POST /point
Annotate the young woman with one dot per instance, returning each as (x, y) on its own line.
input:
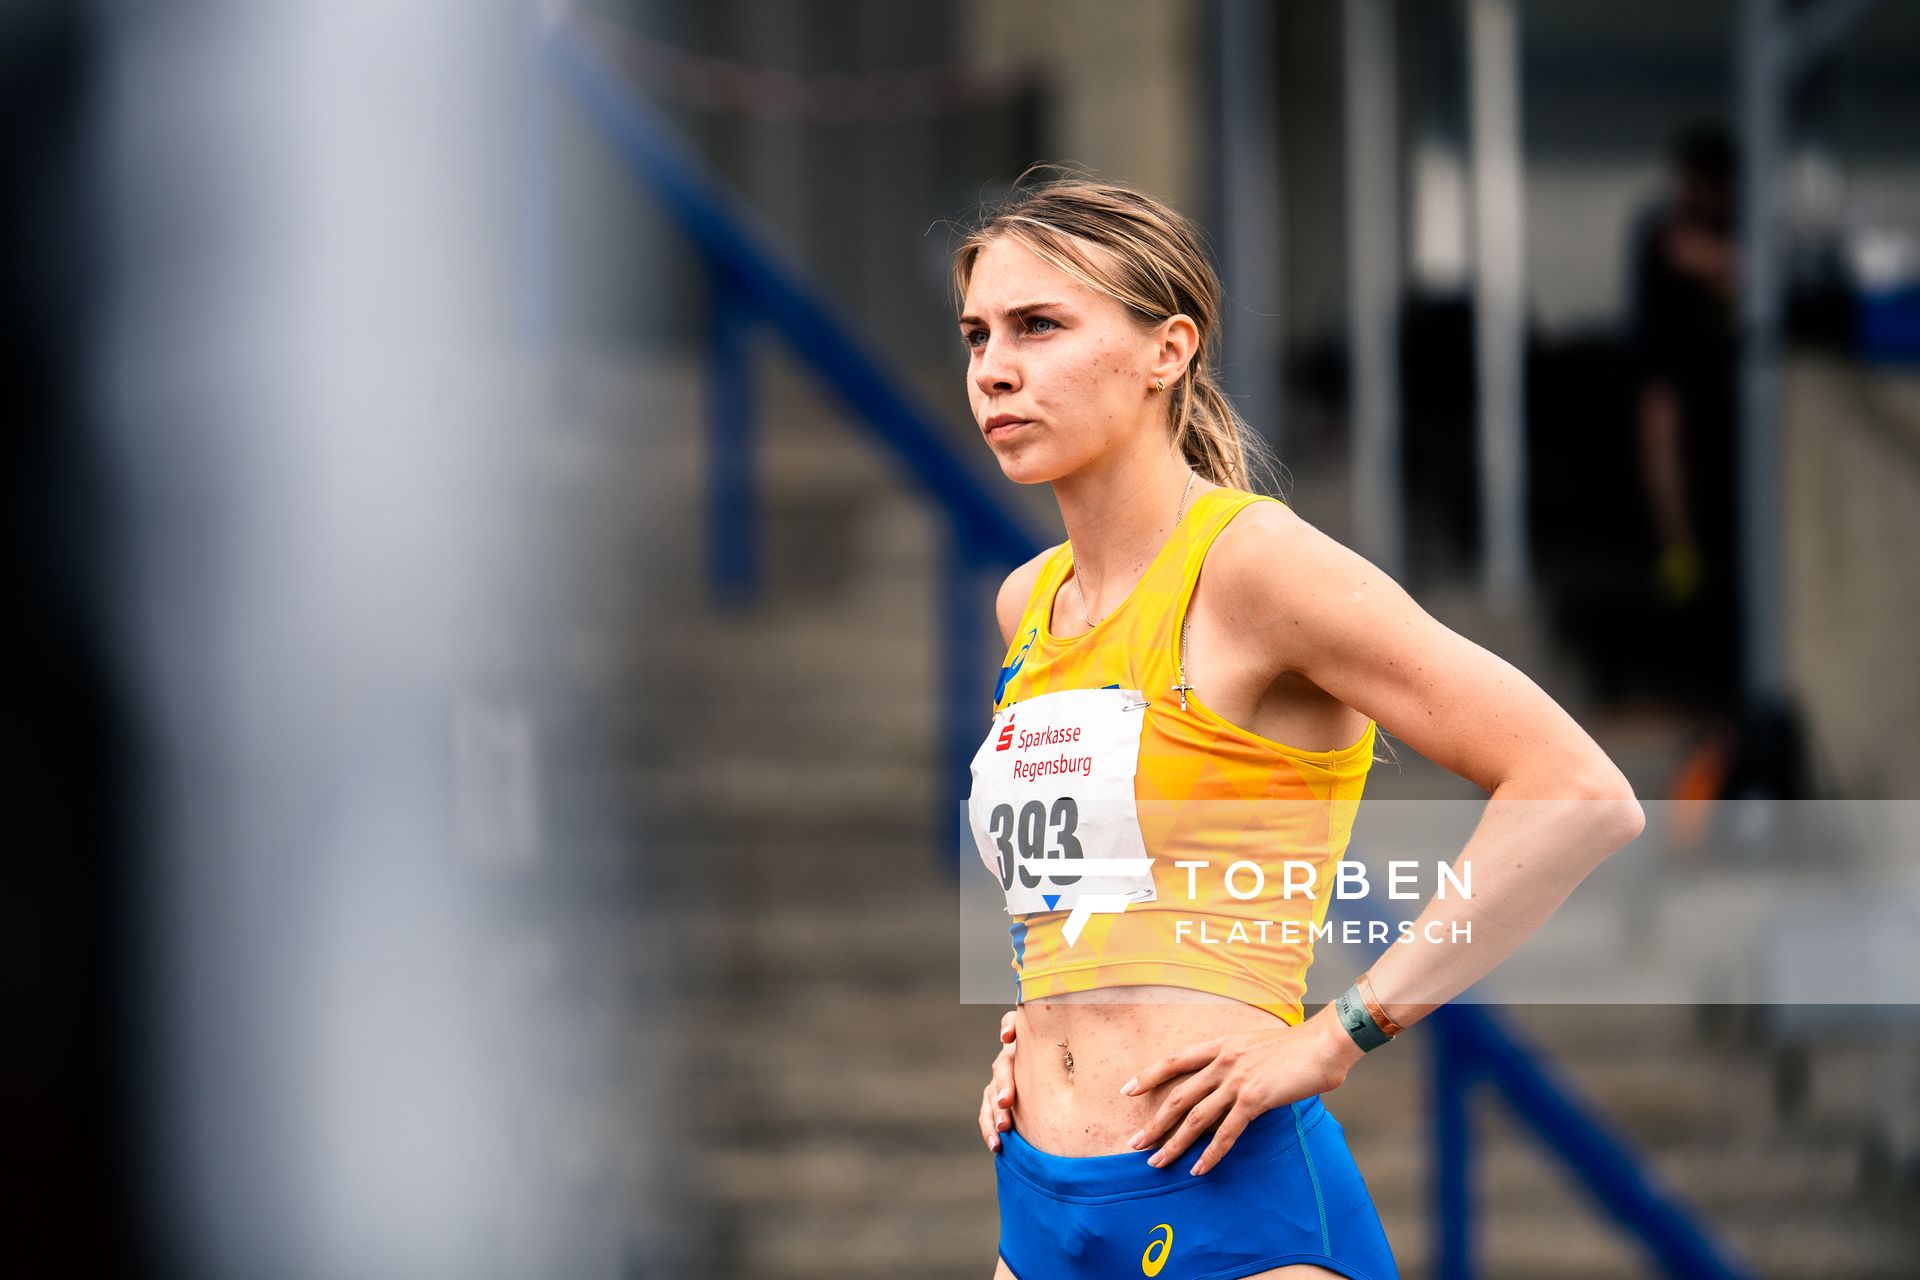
(1164, 1110)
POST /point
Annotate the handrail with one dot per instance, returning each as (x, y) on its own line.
(751, 286)
(750, 270)
(1471, 1047)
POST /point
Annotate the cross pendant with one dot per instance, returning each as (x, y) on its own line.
(1181, 689)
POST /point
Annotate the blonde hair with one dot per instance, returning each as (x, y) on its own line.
(1154, 266)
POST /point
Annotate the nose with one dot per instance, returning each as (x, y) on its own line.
(995, 369)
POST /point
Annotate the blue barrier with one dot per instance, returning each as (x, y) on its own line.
(1470, 1048)
(752, 287)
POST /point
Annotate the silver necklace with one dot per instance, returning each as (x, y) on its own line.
(1079, 590)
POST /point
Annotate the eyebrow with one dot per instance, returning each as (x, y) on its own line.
(1020, 310)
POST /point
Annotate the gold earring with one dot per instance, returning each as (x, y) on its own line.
(1159, 384)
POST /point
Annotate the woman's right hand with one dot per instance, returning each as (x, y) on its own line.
(996, 1100)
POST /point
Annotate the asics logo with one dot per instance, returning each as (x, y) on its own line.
(1156, 1255)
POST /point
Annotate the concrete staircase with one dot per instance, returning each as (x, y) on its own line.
(767, 862)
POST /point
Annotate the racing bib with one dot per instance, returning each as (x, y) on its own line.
(1052, 807)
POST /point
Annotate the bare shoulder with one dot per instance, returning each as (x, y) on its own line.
(1269, 567)
(1310, 605)
(1012, 601)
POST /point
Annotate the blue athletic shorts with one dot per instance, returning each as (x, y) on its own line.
(1287, 1192)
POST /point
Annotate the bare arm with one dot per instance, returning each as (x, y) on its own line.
(1350, 629)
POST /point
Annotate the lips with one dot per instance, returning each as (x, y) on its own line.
(1001, 423)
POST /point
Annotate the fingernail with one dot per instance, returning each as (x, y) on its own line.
(1003, 1099)
(1128, 1086)
(996, 1144)
(1196, 1169)
(1138, 1139)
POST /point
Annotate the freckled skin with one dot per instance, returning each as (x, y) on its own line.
(1076, 370)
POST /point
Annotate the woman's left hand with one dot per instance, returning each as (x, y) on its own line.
(1231, 1080)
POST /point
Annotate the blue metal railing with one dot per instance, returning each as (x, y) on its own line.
(1471, 1048)
(750, 287)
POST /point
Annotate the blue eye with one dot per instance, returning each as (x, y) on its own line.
(971, 334)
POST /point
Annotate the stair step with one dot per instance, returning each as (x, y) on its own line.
(959, 1244)
(1515, 1174)
(1573, 1242)
(803, 792)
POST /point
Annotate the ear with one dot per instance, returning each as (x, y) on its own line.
(1175, 340)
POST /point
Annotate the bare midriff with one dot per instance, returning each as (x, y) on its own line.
(1075, 1051)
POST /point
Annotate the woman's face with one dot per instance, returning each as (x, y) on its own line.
(1066, 360)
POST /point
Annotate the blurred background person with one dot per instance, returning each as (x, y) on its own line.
(1683, 334)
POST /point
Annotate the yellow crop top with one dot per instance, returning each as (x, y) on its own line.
(1206, 790)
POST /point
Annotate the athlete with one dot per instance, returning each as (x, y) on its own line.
(1194, 678)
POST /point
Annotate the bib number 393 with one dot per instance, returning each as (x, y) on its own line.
(1052, 807)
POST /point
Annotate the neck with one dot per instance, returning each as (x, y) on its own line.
(1119, 512)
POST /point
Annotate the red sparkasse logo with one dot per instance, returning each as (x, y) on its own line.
(1006, 736)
